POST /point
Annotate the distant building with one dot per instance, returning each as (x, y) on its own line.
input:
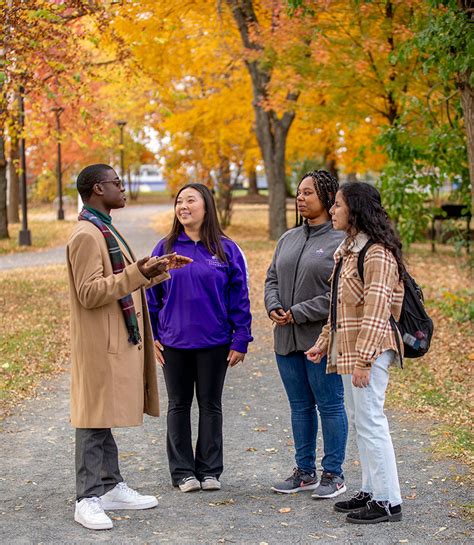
(149, 178)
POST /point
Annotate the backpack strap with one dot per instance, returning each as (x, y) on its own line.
(334, 288)
(393, 323)
(360, 259)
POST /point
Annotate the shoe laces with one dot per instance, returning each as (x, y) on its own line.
(361, 495)
(326, 478)
(93, 505)
(127, 489)
(297, 474)
(382, 504)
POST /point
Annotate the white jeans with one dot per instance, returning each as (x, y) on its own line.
(366, 416)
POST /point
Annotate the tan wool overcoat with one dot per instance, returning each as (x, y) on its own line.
(113, 382)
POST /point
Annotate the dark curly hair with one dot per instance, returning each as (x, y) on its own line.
(325, 185)
(367, 214)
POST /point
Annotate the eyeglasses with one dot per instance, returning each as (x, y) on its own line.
(117, 182)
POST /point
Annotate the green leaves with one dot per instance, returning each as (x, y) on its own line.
(447, 40)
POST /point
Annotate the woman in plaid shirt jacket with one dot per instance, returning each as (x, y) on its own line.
(363, 346)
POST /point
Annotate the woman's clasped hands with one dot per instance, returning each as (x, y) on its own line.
(280, 317)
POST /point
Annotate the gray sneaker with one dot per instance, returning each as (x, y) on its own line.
(298, 481)
(330, 486)
(189, 484)
(210, 483)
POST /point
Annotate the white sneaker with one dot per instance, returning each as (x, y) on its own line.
(210, 483)
(90, 513)
(189, 484)
(124, 497)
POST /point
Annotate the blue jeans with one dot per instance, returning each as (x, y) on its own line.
(309, 387)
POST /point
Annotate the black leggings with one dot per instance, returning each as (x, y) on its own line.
(206, 368)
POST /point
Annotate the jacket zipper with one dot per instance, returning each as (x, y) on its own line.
(294, 284)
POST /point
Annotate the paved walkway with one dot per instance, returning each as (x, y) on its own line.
(132, 220)
(37, 472)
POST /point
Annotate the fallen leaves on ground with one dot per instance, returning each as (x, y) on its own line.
(229, 501)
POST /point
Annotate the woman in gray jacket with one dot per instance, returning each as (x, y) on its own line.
(297, 301)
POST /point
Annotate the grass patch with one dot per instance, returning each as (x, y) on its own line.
(151, 197)
(458, 305)
(34, 329)
(44, 234)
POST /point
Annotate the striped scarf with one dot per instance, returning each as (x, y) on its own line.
(118, 265)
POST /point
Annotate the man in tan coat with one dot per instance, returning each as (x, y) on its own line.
(113, 364)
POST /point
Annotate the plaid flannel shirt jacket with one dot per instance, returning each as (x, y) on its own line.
(363, 308)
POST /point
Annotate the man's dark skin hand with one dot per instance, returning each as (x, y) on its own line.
(154, 266)
(151, 266)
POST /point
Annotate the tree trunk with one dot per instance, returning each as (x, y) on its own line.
(272, 133)
(224, 197)
(467, 101)
(3, 117)
(252, 178)
(3, 189)
(330, 164)
(271, 130)
(352, 177)
(14, 182)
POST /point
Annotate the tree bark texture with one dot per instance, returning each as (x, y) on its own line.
(3, 190)
(224, 189)
(14, 182)
(467, 101)
(252, 178)
(271, 130)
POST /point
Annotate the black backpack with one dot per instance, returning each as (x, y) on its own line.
(415, 326)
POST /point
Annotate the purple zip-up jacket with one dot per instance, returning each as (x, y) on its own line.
(204, 304)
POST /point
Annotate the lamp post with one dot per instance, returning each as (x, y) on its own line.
(121, 125)
(24, 237)
(58, 111)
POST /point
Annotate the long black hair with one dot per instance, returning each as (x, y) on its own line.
(210, 232)
(325, 185)
(367, 214)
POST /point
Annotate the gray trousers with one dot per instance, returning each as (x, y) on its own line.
(97, 467)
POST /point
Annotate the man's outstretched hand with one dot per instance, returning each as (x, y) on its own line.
(153, 266)
(177, 261)
(156, 265)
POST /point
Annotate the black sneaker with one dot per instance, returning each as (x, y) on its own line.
(359, 501)
(298, 481)
(376, 511)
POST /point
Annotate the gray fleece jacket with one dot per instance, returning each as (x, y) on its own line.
(298, 279)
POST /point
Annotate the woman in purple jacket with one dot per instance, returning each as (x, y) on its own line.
(201, 325)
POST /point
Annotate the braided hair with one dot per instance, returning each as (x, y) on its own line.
(326, 187)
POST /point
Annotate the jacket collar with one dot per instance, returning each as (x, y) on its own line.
(352, 246)
(319, 229)
(183, 237)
